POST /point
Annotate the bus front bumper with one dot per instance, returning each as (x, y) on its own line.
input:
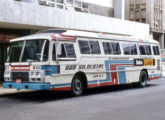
(29, 86)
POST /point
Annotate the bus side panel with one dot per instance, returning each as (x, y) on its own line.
(132, 75)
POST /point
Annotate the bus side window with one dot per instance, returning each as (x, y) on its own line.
(84, 47)
(142, 50)
(156, 50)
(54, 52)
(126, 49)
(94, 46)
(148, 49)
(107, 48)
(67, 51)
(129, 49)
(63, 53)
(116, 48)
(70, 50)
(111, 48)
(145, 49)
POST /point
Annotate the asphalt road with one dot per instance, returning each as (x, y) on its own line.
(126, 102)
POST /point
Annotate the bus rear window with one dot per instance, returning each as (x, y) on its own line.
(145, 49)
(156, 50)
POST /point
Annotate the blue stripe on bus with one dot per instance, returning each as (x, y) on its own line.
(30, 86)
(62, 85)
(121, 75)
(155, 75)
(33, 86)
(50, 69)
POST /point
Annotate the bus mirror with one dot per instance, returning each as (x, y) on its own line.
(58, 49)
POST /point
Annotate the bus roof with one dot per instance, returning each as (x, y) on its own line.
(62, 34)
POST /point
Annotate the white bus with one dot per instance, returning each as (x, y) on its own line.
(70, 60)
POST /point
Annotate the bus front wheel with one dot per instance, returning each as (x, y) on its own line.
(77, 86)
(143, 79)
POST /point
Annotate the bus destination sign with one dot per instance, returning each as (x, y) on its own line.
(144, 62)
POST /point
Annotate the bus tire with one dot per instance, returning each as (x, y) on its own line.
(77, 87)
(143, 79)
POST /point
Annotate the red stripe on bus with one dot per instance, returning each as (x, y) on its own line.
(61, 89)
(92, 85)
(153, 78)
(20, 68)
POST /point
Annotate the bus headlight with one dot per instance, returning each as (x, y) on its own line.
(37, 76)
(32, 74)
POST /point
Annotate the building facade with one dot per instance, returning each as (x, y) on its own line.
(151, 12)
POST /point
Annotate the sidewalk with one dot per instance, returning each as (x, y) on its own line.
(4, 91)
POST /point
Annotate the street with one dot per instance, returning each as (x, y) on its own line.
(126, 102)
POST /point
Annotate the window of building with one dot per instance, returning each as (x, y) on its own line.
(145, 49)
(69, 2)
(156, 50)
(60, 4)
(75, 4)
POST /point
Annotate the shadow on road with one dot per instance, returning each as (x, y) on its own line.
(46, 96)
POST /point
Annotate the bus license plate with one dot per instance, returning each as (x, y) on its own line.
(18, 81)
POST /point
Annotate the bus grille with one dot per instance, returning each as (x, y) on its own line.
(24, 76)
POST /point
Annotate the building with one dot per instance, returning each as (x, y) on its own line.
(151, 12)
(23, 17)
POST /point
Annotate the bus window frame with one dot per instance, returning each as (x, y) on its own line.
(88, 40)
(155, 45)
(62, 58)
(137, 48)
(150, 47)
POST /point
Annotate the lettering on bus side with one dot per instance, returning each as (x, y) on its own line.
(89, 66)
(94, 66)
(70, 67)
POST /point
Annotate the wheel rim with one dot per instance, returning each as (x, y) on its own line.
(77, 87)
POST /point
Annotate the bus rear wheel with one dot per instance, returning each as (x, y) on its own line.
(143, 79)
(77, 87)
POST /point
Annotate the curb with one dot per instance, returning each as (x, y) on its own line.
(4, 91)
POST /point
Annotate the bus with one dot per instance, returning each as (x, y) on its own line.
(70, 60)
(162, 54)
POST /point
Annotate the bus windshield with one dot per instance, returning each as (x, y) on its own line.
(29, 51)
